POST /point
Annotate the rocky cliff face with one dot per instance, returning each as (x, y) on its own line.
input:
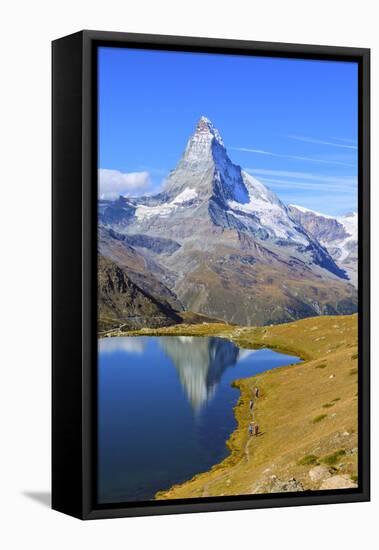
(225, 245)
(338, 235)
(121, 302)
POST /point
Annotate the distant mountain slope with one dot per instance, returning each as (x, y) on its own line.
(225, 245)
(339, 235)
(120, 301)
(139, 263)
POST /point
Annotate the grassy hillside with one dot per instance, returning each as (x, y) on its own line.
(307, 413)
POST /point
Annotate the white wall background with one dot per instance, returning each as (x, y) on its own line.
(27, 29)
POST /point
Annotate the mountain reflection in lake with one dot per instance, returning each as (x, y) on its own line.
(200, 363)
(165, 409)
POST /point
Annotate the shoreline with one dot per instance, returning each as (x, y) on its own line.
(234, 333)
(234, 449)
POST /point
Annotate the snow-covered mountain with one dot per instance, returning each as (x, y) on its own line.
(206, 175)
(234, 250)
(339, 235)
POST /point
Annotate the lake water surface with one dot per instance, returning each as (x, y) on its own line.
(165, 409)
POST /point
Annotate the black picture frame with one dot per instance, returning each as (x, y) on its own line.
(74, 175)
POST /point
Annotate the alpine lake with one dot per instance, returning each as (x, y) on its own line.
(165, 409)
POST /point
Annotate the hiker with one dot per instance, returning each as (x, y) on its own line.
(256, 392)
(251, 404)
(256, 430)
(251, 428)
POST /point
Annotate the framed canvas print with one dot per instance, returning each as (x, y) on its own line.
(210, 274)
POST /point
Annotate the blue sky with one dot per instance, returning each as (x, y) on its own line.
(291, 123)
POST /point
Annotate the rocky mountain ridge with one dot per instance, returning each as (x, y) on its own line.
(121, 302)
(339, 235)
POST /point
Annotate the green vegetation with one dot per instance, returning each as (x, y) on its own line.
(328, 405)
(332, 459)
(318, 418)
(322, 366)
(308, 460)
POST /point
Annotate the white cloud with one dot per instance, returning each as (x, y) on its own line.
(130, 344)
(352, 141)
(113, 183)
(345, 145)
(351, 180)
(324, 186)
(290, 180)
(292, 157)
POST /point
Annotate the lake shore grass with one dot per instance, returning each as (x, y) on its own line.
(307, 413)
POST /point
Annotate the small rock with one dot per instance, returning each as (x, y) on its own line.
(331, 376)
(338, 482)
(352, 451)
(288, 486)
(319, 473)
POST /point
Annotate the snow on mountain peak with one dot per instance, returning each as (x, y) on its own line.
(201, 145)
(265, 206)
(338, 234)
(311, 212)
(164, 210)
(207, 130)
(244, 200)
(349, 221)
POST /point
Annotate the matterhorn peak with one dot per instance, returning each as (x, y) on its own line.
(207, 130)
(206, 165)
(203, 144)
